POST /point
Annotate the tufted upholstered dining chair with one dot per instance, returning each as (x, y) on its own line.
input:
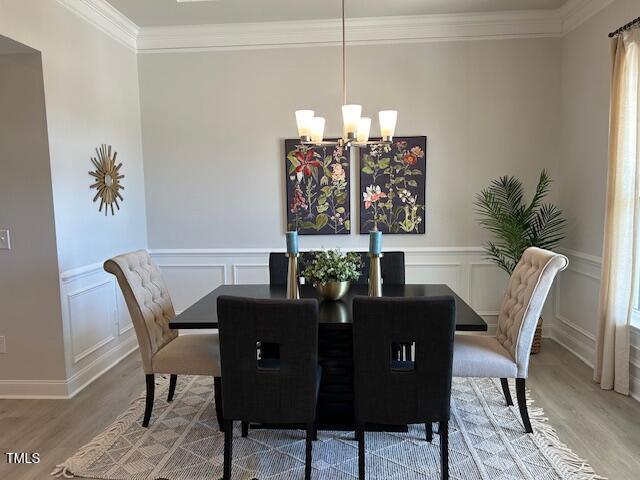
(507, 354)
(163, 351)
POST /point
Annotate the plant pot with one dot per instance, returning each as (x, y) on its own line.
(333, 290)
(537, 338)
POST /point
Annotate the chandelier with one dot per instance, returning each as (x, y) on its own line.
(356, 128)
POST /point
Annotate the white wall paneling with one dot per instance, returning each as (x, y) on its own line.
(188, 281)
(97, 331)
(97, 327)
(248, 273)
(575, 306)
(575, 310)
(91, 328)
(635, 364)
(484, 278)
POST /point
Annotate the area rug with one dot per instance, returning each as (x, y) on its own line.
(486, 441)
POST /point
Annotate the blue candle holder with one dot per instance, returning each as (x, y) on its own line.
(293, 248)
(375, 242)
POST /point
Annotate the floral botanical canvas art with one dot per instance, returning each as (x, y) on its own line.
(318, 184)
(392, 186)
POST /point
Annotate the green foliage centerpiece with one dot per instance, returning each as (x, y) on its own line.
(331, 272)
(517, 226)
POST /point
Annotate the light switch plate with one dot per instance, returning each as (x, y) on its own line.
(3, 345)
(5, 240)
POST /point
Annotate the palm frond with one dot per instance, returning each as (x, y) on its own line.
(517, 226)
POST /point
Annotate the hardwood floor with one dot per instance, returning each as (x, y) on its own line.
(602, 427)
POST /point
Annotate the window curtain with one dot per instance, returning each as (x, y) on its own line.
(619, 257)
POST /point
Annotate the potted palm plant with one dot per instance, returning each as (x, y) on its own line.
(517, 226)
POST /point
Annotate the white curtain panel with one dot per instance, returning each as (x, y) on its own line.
(619, 279)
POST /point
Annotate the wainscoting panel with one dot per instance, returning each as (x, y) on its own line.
(91, 318)
(188, 281)
(432, 272)
(635, 364)
(250, 273)
(575, 306)
(576, 313)
(97, 327)
(485, 279)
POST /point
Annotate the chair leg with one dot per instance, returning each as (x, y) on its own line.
(505, 390)
(151, 388)
(217, 393)
(361, 464)
(308, 457)
(245, 429)
(173, 379)
(443, 428)
(429, 431)
(522, 404)
(228, 450)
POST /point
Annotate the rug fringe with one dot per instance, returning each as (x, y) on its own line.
(571, 464)
(89, 452)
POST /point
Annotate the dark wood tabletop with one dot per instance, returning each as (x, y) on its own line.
(203, 313)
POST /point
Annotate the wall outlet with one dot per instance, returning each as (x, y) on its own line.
(3, 345)
(5, 240)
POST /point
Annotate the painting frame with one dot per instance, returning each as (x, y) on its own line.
(393, 186)
(318, 188)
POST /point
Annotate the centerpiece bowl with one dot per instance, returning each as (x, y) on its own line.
(333, 290)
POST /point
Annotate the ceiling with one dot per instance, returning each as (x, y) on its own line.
(148, 13)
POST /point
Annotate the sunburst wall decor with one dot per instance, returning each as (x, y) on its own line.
(108, 176)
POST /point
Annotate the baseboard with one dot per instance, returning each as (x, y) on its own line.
(100, 366)
(65, 389)
(568, 338)
(635, 388)
(33, 389)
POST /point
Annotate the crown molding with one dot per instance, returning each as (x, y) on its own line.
(372, 30)
(360, 31)
(105, 18)
(575, 12)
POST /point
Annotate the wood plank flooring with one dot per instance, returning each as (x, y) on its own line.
(602, 427)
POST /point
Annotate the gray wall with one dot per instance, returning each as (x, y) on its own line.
(30, 317)
(91, 91)
(586, 74)
(91, 96)
(214, 124)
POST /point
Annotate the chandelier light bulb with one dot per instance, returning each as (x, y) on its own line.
(388, 119)
(350, 118)
(364, 127)
(317, 129)
(304, 119)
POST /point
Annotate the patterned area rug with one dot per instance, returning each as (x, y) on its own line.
(486, 441)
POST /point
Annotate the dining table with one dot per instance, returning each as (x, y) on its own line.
(335, 410)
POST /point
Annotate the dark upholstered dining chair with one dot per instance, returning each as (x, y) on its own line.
(392, 392)
(279, 264)
(391, 265)
(280, 390)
